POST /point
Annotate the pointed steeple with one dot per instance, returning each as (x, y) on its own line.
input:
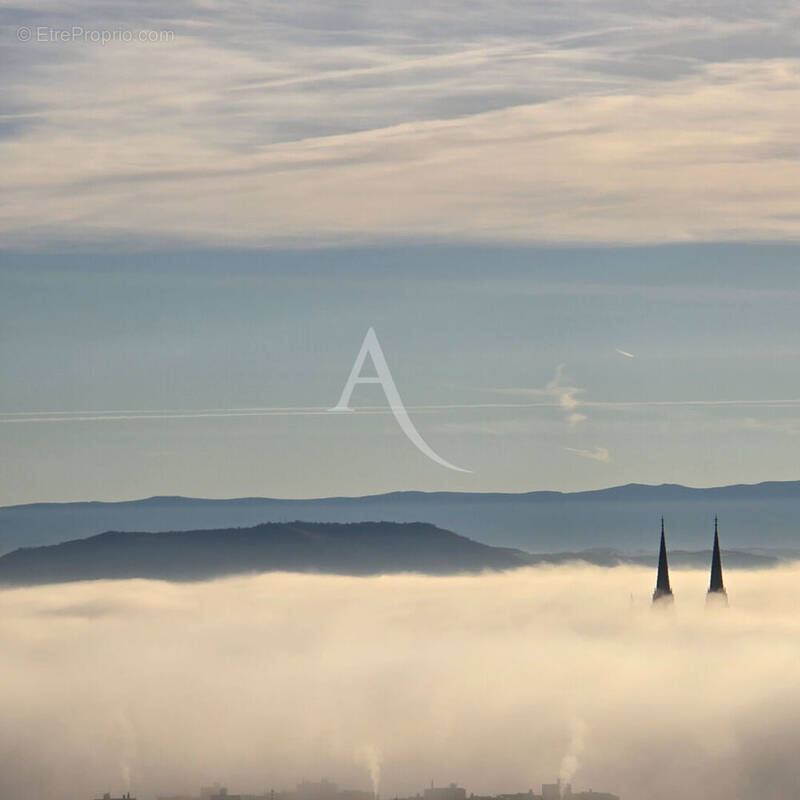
(716, 588)
(663, 590)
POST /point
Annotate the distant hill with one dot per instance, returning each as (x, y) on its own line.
(623, 518)
(365, 548)
(359, 548)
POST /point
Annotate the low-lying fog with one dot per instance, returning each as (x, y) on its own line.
(499, 682)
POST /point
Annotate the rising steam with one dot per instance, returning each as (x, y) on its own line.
(370, 756)
(570, 761)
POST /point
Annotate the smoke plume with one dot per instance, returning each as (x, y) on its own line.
(370, 756)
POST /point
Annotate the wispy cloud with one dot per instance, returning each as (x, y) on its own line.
(612, 120)
(595, 454)
(563, 393)
(682, 293)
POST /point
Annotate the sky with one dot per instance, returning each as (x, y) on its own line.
(573, 228)
(500, 682)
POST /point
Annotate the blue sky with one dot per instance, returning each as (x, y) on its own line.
(510, 194)
(520, 346)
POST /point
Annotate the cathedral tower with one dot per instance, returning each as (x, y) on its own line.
(716, 588)
(663, 592)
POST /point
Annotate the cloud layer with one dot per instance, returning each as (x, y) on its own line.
(269, 124)
(498, 681)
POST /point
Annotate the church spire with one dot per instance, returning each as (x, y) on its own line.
(716, 587)
(663, 590)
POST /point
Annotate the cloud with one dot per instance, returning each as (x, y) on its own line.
(564, 394)
(596, 453)
(624, 353)
(497, 681)
(566, 397)
(684, 293)
(311, 125)
(575, 418)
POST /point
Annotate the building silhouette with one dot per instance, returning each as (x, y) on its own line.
(329, 791)
(213, 792)
(305, 790)
(716, 588)
(451, 792)
(316, 790)
(552, 791)
(663, 591)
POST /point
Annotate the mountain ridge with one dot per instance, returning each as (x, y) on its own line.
(626, 517)
(544, 494)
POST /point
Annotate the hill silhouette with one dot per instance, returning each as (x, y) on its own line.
(365, 548)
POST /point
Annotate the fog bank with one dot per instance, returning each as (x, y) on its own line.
(499, 682)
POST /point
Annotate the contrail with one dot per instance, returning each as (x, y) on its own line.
(116, 415)
(21, 417)
(624, 353)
